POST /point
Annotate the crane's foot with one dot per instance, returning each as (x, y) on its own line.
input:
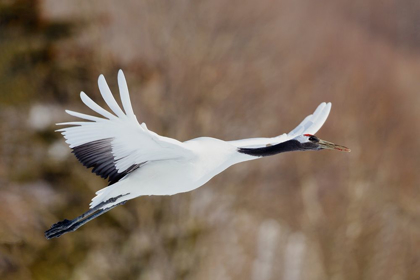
(57, 231)
(62, 225)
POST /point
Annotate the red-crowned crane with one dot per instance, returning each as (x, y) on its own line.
(139, 162)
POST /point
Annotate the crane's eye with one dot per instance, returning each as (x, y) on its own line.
(313, 138)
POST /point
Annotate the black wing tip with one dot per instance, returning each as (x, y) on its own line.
(98, 154)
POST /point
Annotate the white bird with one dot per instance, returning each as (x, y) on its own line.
(139, 162)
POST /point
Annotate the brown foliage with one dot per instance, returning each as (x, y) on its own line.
(231, 70)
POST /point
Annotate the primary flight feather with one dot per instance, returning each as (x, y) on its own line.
(137, 161)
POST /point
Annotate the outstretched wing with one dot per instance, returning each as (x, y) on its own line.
(310, 125)
(116, 144)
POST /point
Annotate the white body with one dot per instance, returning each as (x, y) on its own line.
(165, 166)
(174, 176)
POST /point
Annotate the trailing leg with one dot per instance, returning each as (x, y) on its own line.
(65, 226)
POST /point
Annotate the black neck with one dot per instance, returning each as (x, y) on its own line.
(288, 146)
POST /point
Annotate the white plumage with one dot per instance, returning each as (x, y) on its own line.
(138, 161)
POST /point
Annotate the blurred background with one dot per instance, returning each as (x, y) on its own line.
(231, 70)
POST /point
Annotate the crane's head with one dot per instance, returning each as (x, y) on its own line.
(305, 142)
(311, 142)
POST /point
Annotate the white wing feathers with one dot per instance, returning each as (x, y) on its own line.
(116, 144)
(125, 97)
(310, 125)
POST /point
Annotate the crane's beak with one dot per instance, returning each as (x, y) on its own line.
(331, 146)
